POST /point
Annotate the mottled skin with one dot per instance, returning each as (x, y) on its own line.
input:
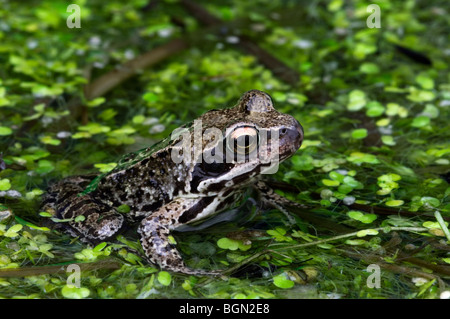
(163, 193)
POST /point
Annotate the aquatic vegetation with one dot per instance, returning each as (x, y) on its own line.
(374, 166)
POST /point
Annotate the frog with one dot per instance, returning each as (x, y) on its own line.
(201, 169)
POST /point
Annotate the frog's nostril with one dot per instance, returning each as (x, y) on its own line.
(283, 131)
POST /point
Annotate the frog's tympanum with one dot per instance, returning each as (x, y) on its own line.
(202, 169)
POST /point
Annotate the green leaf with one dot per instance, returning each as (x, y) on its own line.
(365, 232)
(226, 243)
(232, 244)
(383, 122)
(45, 214)
(44, 167)
(352, 182)
(374, 109)
(392, 109)
(357, 100)
(325, 246)
(362, 49)
(279, 234)
(5, 131)
(4, 184)
(335, 5)
(138, 119)
(431, 111)
(96, 102)
(50, 140)
(99, 247)
(105, 168)
(330, 183)
(74, 292)
(79, 218)
(13, 231)
(359, 133)
(360, 216)
(282, 281)
(417, 95)
(355, 242)
(164, 278)
(345, 189)
(336, 176)
(123, 209)
(433, 225)
(420, 121)
(394, 203)
(94, 128)
(425, 82)
(369, 68)
(430, 202)
(150, 97)
(388, 140)
(359, 157)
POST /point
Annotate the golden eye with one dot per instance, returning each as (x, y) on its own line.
(243, 140)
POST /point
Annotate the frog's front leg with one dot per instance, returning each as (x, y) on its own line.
(155, 230)
(269, 196)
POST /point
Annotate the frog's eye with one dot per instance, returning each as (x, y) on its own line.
(243, 140)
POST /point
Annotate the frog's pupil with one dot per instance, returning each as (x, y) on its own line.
(247, 141)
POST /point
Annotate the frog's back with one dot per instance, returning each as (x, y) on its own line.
(145, 184)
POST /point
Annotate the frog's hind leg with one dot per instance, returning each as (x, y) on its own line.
(100, 222)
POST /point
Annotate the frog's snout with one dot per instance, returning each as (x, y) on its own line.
(291, 137)
(299, 137)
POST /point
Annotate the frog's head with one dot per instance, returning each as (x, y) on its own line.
(257, 108)
(239, 143)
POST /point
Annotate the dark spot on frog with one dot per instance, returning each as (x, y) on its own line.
(151, 183)
(227, 193)
(73, 209)
(240, 179)
(163, 154)
(145, 161)
(203, 171)
(217, 187)
(123, 197)
(192, 212)
(137, 195)
(152, 207)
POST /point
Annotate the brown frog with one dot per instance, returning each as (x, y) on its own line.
(201, 169)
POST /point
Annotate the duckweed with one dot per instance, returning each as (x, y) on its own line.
(373, 103)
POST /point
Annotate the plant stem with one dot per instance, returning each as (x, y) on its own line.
(385, 229)
(442, 224)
